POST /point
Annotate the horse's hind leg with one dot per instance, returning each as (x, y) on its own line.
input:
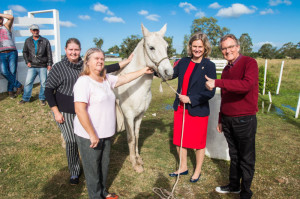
(131, 144)
(136, 132)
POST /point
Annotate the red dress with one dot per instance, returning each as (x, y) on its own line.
(195, 127)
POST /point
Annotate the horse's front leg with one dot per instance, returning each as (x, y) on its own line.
(131, 144)
(137, 135)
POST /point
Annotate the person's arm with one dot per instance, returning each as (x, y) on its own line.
(243, 85)
(26, 53)
(204, 96)
(117, 66)
(123, 79)
(49, 56)
(10, 20)
(83, 116)
(125, 62)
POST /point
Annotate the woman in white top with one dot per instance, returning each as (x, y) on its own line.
(95, 119)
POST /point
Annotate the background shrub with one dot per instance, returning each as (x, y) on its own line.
(271, 82)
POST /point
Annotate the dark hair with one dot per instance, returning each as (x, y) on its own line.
(73, 40)
(199, 36)
(231, 36)
(86, 70)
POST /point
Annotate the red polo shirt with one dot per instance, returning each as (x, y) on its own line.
(239, 88)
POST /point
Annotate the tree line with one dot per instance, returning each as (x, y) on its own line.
(209, 26)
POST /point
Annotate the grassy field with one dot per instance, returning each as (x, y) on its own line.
(33, 163)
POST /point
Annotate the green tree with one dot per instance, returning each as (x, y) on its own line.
(245, 44)
(267, 51)
(98, 42)
(289, 50)
(128, 45)
(114, 49)
(171, 51)
(210, 27)
(185, 43)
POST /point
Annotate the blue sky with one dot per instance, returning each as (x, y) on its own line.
(266, 21)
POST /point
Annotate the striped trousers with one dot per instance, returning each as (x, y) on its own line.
(67, 130)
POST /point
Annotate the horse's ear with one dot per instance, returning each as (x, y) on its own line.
(145, 31)
(163, 30)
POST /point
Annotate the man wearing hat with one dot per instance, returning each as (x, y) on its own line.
(38, 57)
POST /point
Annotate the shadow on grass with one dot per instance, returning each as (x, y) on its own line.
(162, 182)
(120, 150)
(59, 187)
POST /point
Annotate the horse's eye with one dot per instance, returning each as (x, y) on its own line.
(152, 48)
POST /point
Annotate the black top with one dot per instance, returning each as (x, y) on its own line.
(196, 91)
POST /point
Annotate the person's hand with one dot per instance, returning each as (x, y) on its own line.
(59, 117)
(49, 68)
(29, 65)
(219, 128)
(130, 57)
(184, 99)
(210, 83)
(94, 141)
(148, 70)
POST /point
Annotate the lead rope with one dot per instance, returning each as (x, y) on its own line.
(163, 193)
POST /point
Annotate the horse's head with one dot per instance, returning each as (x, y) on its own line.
(155, 48)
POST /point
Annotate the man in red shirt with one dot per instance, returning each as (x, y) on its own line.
(237, 118)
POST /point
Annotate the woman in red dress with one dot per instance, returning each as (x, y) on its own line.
(191, 73)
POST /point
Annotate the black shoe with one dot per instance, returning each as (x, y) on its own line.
(195, 180)
(11, 95)
(43, 102)
(182, 173)
(22, 102)
(227, 189)
(19, 90)
(74, 180)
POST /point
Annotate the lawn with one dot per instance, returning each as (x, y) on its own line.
(34, 165)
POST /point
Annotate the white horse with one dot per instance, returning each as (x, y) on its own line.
(134, 97)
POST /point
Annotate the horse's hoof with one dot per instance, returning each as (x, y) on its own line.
(139, 161)
(138, 168)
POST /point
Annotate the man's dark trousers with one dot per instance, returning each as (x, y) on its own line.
(240, 135)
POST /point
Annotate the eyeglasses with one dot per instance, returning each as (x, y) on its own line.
(35, 30)
(228, 48)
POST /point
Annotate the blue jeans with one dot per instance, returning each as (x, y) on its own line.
(32, 73)
(8, 64)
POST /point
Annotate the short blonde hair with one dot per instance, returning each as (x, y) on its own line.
(199, 36)
(87, 56)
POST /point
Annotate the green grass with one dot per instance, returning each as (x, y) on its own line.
(33, 164)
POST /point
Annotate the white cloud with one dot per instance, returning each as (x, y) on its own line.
(143, 12)
(98, 7)
(67, 24)
(17, 8)
(215, 5)
(266, 11)
(153, 17)
(84, 17)
(277, 2)
(113, 20)
(260, 44)
(235, 10)
(200, 14)
(187, 7)
(110, 13)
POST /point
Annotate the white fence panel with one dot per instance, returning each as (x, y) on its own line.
(23, 32)
(220, 64)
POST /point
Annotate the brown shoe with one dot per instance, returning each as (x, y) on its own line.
(11, 95)
(19, 90)
(43, 102)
